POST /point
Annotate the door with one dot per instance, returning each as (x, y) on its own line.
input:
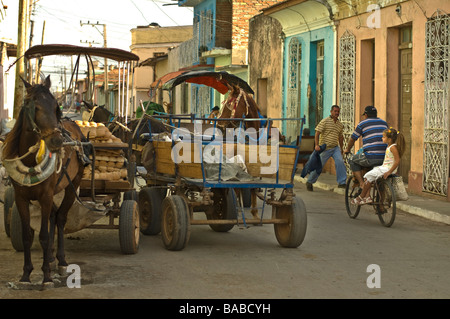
(405, 120)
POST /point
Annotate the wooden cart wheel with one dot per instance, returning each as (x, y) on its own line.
(129, 227)
(7, 208)
(292, 234)
(150, 200)
(224, 207)
(16, 230)
(175, 222)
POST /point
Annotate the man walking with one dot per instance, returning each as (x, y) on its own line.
(330, 132)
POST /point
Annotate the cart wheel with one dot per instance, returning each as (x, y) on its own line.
(129, 227)
(16, 230)
(175, 222)
(291, 235)
(131, 195)
(246, 194)
(223, 208)
(7, 208)
(150, 200)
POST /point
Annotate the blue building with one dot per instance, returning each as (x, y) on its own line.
(308, 66)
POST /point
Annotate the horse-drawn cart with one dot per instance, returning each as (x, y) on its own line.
(194, 171)
(106, 190)
(114, 192)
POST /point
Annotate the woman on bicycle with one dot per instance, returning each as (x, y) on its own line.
(396, 142)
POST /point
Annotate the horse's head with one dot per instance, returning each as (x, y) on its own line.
(43, 114)
(101, 115)
(240, 104)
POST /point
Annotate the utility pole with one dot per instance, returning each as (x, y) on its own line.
(20, 65)
(106, 60)
(39, 62)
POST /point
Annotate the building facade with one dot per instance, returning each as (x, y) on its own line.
(390, 54)
(220, 42)
(152, 43)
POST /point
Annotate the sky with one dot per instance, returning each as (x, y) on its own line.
(62, 21)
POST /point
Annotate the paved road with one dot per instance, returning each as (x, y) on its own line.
(413, 259)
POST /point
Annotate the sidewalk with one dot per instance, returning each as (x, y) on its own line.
(435, 210)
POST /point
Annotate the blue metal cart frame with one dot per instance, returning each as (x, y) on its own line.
(174, 209)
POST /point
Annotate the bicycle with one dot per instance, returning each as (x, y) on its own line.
(383, 199)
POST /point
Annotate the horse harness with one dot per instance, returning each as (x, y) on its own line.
(232, 103)
(30, 112)
(46, 161)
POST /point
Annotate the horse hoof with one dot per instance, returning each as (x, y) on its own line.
(48, 285)
(24, 285)
(62, 270)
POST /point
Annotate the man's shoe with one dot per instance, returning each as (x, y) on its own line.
(342, 186)
(309, 186)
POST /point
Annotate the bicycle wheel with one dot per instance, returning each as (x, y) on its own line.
(384, 201)
(352, 190)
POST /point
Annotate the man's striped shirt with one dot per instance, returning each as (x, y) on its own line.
(371, 130)
(329, 132)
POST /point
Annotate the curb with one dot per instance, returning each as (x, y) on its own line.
(414, 210)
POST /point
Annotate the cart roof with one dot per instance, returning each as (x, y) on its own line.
(215, 79)
(119, 55)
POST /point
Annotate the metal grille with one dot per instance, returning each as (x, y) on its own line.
(347, 54)
(293, 105)
(436, 106)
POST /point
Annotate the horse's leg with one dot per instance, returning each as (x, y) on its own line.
(44, 238)
(24, 212)
(254, 209)
(61, 219)
(52, 232)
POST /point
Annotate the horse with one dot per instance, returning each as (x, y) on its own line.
(131, 134)
(241, 104)
(40, 166)
(96, 114)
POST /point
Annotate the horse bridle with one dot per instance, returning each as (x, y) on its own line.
(30, 112)
(234, 102)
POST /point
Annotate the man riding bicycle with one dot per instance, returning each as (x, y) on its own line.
(371, 129)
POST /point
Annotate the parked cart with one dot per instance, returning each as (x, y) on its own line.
(176, 189)
(111, 196)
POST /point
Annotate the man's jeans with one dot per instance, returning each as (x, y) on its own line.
(341, 171)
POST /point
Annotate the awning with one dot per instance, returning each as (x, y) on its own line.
(167, 77)
(214, 79)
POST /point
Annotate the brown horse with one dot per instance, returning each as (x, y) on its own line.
(35, 169)
(240, 104)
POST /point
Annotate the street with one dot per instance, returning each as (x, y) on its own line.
(339, 258)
